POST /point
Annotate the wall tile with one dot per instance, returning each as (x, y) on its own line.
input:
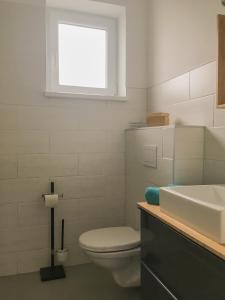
(24, 142)
(8, 167)
(64, 142)
(203, 81)
(92, 163)
(168, 93)
(188, 171)
(132, 110)
(33, 214)
(93, 115)
(74, 187)
(8, 143)
(8, 264)
(190, 134)
(93, 208)
(116, 141)
(8, 117)
(47, 165)
(115, 164)
(32, 261)
(161, 176)
(8, 216)
(195, 112)
(189, 143)
(219, 116)
(214, 171)
(131, 145)
(114, 187)
(9, 241)
(79, 142)
(215, 143)
(23, 190)
(34, 238)
(168, 143)
(47, 118)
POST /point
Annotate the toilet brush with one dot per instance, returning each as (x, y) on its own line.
(62, 254)
(62, 235)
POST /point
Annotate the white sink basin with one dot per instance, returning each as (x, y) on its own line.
(201, 207)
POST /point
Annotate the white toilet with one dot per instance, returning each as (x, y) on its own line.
(116, 249)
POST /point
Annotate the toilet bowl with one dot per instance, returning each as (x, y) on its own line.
(116, 249)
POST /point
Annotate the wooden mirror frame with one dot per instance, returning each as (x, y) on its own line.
(221, 62)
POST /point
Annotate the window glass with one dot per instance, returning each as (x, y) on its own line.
(82, 56)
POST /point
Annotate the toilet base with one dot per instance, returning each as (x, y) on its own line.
(129, 276)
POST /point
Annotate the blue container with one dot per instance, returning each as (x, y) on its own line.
(152, 195)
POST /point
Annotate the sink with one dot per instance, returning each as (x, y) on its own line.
(201, 207)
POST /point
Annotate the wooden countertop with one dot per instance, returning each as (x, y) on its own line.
(202, 240)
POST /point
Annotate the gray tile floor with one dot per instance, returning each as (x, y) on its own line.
(85, 282)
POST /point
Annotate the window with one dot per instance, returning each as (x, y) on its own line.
(81, 53)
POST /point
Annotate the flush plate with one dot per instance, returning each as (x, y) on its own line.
(149, 158)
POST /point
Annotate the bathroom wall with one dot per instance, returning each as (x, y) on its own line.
(77, 143)
(191, 100)
(161, 156)
(182, 76)
(182, 36)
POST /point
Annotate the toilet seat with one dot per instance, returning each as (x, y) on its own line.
(114, 255)
(113, 239)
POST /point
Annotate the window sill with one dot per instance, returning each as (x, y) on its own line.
(85, 96)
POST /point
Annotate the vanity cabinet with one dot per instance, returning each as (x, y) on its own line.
(174, 267)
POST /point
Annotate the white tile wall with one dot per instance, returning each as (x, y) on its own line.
(46, 165)
(180, 158)
(193, 97)
(189, 143)
(24, 142)
(23, 190)
(193, 112)
(30, 261)
(214, 171)
(197, 109)
(8, 166)
(169, 93)
(203, 81)
(188, 171)
(77, 143)
(168, 144)
(215, 143)
(8, 216)
(8, 264)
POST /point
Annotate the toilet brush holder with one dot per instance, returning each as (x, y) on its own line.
(62, 255)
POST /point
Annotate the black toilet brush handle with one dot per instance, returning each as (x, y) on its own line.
(62, 235)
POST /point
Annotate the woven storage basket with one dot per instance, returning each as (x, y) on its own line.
(158, 119)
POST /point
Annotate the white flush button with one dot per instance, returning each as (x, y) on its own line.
(150, 156)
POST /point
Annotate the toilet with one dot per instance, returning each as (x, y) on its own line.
(116, 249)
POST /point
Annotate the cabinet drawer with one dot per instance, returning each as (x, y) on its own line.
(189, 271)
(152, 288)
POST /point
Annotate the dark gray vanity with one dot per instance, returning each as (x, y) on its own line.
(175, 267)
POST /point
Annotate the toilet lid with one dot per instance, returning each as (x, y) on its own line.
(110, 239)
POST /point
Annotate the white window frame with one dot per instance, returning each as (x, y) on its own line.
(59, 16)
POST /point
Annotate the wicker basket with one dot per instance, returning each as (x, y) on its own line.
(158, 119)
